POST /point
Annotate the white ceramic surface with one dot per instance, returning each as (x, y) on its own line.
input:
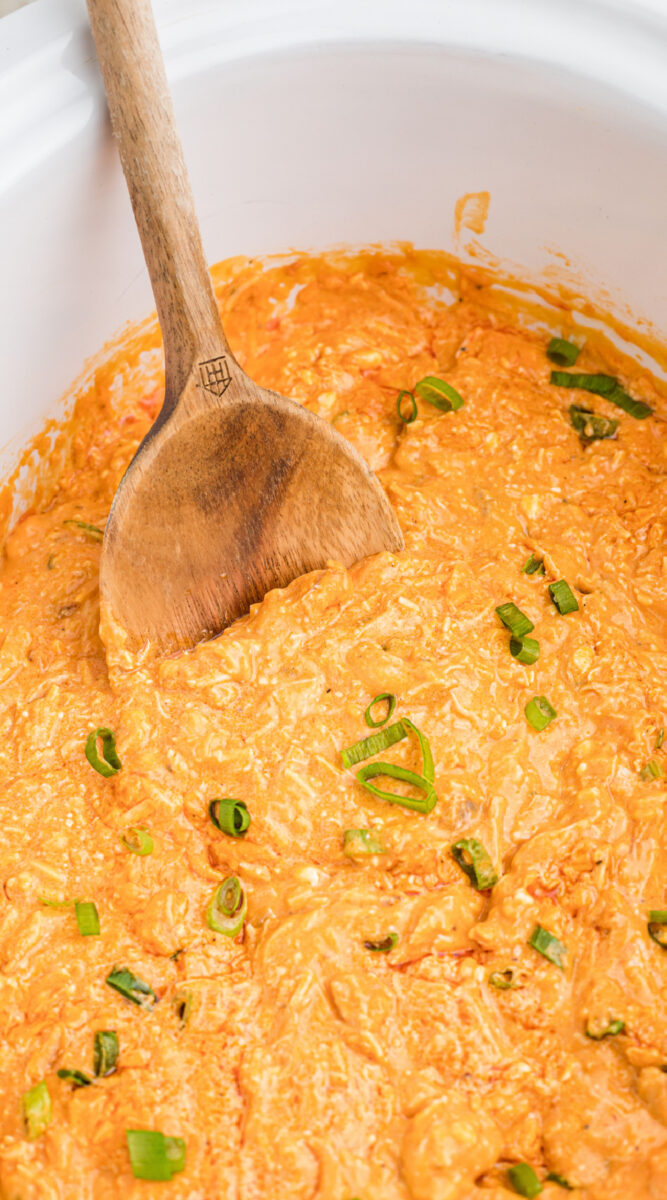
(353, 121)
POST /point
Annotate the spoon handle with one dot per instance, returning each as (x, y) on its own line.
(142, 116)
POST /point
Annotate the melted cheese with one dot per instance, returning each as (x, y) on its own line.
(309, 1066)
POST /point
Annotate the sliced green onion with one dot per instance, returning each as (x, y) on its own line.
(383, 946)
(105, 1052)
(183, 1006)
(657, 926)
(93, 532)
(138, 840)
(514, 620)
(361, 842)
(660, 739)
(472, 858)
(424, 804)
(77, 1079)
(597, 1029)
(562, 353)
(503, 980)
(132, 988)
(563, 597)
(55, 903)
(539, 713)
(428, 768)
(524, 1180)
(603, 385)
(547, 945)
(154, 1156)
(387, 698)
(227, 907)
(554, 1177)
(373, 744)
(525, 650)
(438, 393)
(652, 770)
(412, 415)
(591, 426)
(87, 918)
(110, 763)
(36, 1109)
(533, 566)
(230, 816)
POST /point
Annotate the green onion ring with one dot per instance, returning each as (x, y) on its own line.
(372, 770)
(105, 1052)
(390, 700)
(438, 393)
(110, 763)
(226, 911)
(384, 945)
(399, 407)
(138, 841)
(230, 816)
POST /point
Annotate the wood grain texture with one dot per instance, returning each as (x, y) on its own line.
(235, 490)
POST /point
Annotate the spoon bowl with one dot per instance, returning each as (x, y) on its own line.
(235, 490)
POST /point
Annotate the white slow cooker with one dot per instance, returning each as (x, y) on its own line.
(308, 123)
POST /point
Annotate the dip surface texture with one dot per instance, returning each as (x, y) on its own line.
(295, 1062)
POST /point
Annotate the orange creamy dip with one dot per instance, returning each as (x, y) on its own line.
(309, 1066)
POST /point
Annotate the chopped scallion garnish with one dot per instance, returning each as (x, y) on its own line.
(105, 1052)
(424, 804)
(591, 427)
(563, 597)
(36, 1109)
(110, 763)
(138, 840)
(659, 739)
(132, 988)
(472, 858)
(438, 393)
(226, 911)
(533, 566)
(603, 385)
(375, 743)
(503, 980)
(652, 770)
(597, 1029)
(524, 1180)
(387, 698)
(657, 926)
(428, 768)
(183, 1006)
(514, 620)
(410, 416)
(358, 843)
(548, 946)
(93, 532)
(539, 713)
(525, 650)
(424, 781)
(230, 816)
(87, 918)
(384, 945)
(562, 353)
(78, 1079)
(154, 1156)
(554, 1177)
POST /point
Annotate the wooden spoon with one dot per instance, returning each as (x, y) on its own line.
(235, 490)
